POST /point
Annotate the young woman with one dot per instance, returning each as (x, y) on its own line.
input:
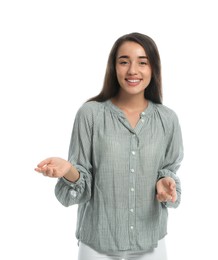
(125, 150)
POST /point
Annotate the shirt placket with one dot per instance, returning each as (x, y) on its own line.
(134, 154)
(132, 188)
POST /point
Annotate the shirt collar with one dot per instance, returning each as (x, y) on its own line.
(120, 113)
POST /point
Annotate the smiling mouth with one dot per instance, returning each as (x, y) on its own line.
(133, 80)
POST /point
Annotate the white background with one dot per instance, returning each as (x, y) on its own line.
(53, 56)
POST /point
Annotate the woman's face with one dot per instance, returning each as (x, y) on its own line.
(133, 68)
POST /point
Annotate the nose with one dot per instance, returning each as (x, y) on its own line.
(132, 69)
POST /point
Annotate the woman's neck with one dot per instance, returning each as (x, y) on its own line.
(130, 103)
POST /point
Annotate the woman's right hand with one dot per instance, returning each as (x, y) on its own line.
(54, 167)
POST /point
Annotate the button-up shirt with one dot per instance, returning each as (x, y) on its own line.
(119, 167)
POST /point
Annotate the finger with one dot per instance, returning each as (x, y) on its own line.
(172, 186)
(158, 198)
(162, 197)
(171, 183)
(49, 172)
(172, 190)
(174, 199)
(41, 170)
(37, 170)
(55, 173)
(174, 196)
(46, 171)
(44, 162)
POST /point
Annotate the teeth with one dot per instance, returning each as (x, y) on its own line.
(133, 80)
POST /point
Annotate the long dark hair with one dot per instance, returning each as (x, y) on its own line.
(111, 86)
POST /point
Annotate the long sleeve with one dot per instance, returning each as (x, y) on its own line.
(69, 193)
(173, 157)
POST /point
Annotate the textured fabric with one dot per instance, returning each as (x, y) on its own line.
(119, 167)
(159, 253)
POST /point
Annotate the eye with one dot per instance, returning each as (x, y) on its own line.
(123, 62)
(143, 63)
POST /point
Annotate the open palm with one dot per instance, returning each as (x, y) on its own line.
(54, 167)
(166, 190)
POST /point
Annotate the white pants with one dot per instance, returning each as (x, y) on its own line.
(87, 253)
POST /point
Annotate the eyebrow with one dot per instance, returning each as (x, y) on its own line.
(127, 57)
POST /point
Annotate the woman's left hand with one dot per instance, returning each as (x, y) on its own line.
(166, 190)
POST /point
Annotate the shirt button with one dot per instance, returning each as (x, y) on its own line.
(132, 170)
(133, 152)
(143, 113)
(131, 210)
(73, 193)
(132, 189)
(133, 135)
(131, 227)
(142, 120)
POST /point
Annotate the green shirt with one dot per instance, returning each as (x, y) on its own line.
(119, 167)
